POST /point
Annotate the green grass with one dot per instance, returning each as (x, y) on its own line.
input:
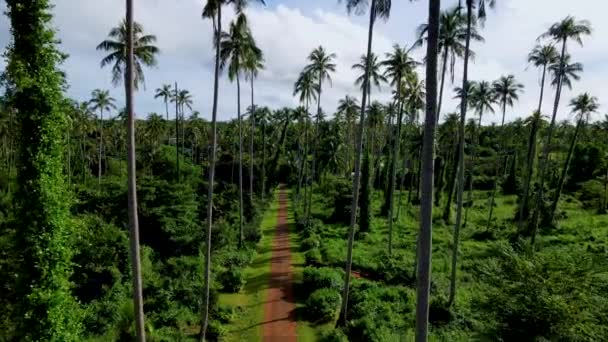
(250, 301)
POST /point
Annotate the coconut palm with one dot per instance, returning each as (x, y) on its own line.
(428, 161)
(236, 45)
(348, 106)
(144, 53)
(542, 56)
(582, 106)
(481, 6)
(378, 9)
(568, 29)
(483, 97)
(165, 93)
(321, 65)
(399, 67)
(376, 76)
(101, 101)
(452, 40)
(306, 88)
(507, 90)
(254, 62)
(132, 73)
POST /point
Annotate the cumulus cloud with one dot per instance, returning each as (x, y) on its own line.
(289, 30)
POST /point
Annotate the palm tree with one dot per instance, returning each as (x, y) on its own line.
(306, 88)
(452, 40)
(583, 106)
(542, 56)
(102, 101)
(165, 93)
(428, 162)
(236, 45)
(348, 106)
(376, 77)
(507, 90)
(132, 72)
(534, 121)
(481, 14)
(184, 99)
(320, 66)
(567, 29)
(144, 53)
(399, 68)
(254, 62)
(378, 9)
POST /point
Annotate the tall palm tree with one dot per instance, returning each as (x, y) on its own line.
(144, 53)
(254, 62)
(101, 101)
(583, 106)
(348, 106)
(165, 93)
(377, 9)
(507, 90)
(307, 90)
(452, 40)
(321, 65)
(534, 121)
(542, 56)
(236, 45)
(132, 72)
(184, 99)
(376, 77)
(428, 162)
(481, 14)
(399, 68)
(560, 33)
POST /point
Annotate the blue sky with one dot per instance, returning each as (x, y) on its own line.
(288, 30)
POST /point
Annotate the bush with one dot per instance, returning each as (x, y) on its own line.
(323, 305)
(232, 280)
(310, 243)
(215, 330)
(393, 270)
(313, 257)
(335, 335)
(321, 278)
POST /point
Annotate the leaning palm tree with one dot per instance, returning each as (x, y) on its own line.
(399, 68)
(452, 40)
(378, 9)
(236, 45)
(144, 53)
(560, 33)
(582, 106)
(254, 62)
(481, 14)
(101, 101)
(428, 161)
(165, 93)
(132, 72)
(321, 65)
(542, 56)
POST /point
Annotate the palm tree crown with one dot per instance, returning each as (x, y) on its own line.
(398, 64)
(101, 100)
(543, 55)
(321, 64)
(507, 90)
(483, 98)
(570, 72)
(306, 87)
(375, 75)
(238, 48)
(584, 105)
(568, 29)
(144, 52)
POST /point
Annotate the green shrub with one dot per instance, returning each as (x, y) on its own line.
(323, 305)
(334, 335)
(215, 331)
(313, 257)
(232, 279)
(310, 243)
(320, 278)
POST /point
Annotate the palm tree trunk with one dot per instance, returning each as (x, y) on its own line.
(447, 212)
(183, 128)
(132, 187)
(314, 149)
(100, 147)
(205, 318)
(443, 72)
(238, 101)
(167, 108)
(426, 204)
(544, 162)
(251, 156)
(529, 170)
(392, 181)
(500, 151)
(355, 204)
(562, 178)
(176, 135)
(461, 132)
(542, 89)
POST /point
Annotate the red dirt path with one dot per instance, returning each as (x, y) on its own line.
(279, 308)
